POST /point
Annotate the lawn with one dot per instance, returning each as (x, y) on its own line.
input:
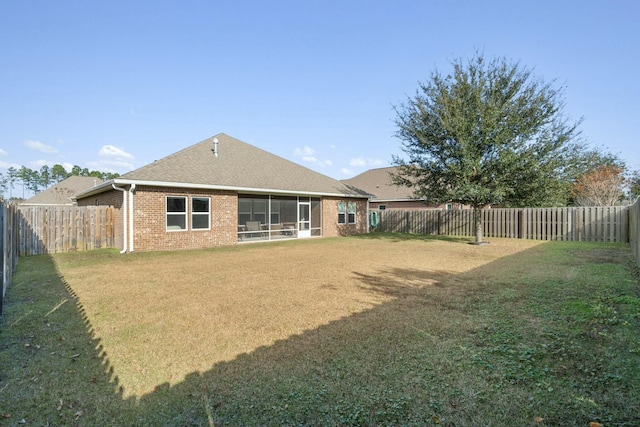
(382, 329)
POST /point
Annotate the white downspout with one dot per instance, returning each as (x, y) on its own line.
(131, 234)
(124, 216)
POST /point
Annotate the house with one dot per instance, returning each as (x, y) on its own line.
(63, 193)
(223, 191)
(387, 195)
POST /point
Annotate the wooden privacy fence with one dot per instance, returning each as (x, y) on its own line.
(8, 246)
(600, 224)
(634, 230)
(54, 229)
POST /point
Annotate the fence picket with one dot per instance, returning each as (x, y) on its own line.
(61, 229)
(604, 224)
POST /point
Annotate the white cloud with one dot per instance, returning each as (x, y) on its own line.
(3, 153)
(111, 151)
(357, 162)
(39, 146)
(305, 151)
(7, 165)
(309, 159)
(361, 162)
(346, 172)
(325, 163)
(115, 165)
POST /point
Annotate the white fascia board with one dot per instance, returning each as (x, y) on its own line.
(119, 182)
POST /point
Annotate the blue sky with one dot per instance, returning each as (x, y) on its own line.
(114, 85)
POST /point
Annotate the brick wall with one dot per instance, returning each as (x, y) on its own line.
(150, 233)
(150, 220)
(330, 226)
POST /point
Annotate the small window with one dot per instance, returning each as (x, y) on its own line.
(275, 211)
(351, 211)
(176, 213)
(382, 207)
(342, 213)
(200, 213)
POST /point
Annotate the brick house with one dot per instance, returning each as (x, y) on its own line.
(387, 195)
(223, 191)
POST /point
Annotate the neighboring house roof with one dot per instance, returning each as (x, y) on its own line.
(63, 192)
(237, 166)
(378, 182)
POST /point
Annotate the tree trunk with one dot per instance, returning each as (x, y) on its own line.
(477, 221)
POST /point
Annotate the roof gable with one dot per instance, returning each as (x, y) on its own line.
(378, 182)
(237, 165)
(63, 192)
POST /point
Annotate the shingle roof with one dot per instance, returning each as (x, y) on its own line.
(378, 182)
(63, 192)
(238, 165)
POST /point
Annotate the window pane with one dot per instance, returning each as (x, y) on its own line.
(243, 218)
(200, 221)
(342, 218)
(176, 222)
(200, 204)
(342, 207)
(176, 204)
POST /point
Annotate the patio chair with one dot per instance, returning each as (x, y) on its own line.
(255, 227)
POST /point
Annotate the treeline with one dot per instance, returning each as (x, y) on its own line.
(34, 181)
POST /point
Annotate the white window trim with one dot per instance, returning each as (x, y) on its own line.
(349, 213)
(344, 213)
(207, 213)
(184, 214)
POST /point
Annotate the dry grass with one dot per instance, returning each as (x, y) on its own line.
(162, 316)
(382, 329)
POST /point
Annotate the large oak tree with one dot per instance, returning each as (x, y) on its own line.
(488, 133)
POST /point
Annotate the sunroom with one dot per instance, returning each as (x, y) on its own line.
(274, 217)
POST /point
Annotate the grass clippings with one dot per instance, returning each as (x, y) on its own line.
(371, 330)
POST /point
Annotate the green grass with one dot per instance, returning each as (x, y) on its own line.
(546, 335)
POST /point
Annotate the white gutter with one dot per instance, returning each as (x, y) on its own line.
(131, 190)
(274, 191)
(124, 216)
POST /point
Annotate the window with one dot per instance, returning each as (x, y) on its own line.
(176, 213)
(244, 211)
(260, 211)
(342, 213)
(200, 213)
(351, 211)
(275, 211)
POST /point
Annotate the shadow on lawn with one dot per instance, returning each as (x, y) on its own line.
(366, 369)
(403, 237)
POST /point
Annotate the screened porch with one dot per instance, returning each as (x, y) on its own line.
(278, 217)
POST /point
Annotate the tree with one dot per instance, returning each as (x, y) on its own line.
(59, 173)
(46, 178)
(488, 133)
(634, 185)
(601, 186)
